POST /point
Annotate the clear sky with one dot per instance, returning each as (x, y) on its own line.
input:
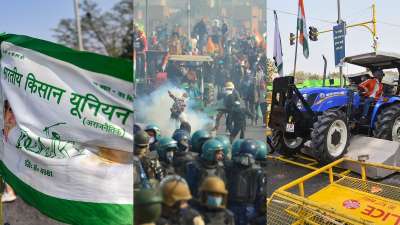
(358, 40)
(37, 18)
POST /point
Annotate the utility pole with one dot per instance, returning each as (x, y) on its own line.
(188, 19)
(78, 24)
(339, 21)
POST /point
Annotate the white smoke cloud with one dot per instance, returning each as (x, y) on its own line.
(155, 109)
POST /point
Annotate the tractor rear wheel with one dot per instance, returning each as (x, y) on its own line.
(284, 145)
(330, 136)
(387, 125)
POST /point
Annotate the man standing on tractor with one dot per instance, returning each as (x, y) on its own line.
(372, 89)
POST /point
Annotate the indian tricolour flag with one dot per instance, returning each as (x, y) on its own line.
(68, 122)
(302, 28)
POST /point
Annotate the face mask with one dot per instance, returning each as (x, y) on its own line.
(214, 201)
(170, 156)
(152, 140)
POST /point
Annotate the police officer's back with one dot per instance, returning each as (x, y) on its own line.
(212, 202)
(246, 185)
(182, 156)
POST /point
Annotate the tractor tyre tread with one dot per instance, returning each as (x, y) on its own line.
(318, 135)
(384, 122)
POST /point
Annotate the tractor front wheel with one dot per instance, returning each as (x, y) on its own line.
(387, 125)
(330, 136)
(284, 145)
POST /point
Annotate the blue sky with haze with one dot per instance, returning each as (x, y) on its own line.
(37, 18)
(358, 40)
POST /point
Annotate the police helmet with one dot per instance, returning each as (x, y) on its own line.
(262, 150)
(248, 147)
(236, 146)
(153, 128)
(182, 137)
(198, 139)
(147, 205)
(174, 189)
(227, 145)
(213, 185)
(166, 144)
(209, 148)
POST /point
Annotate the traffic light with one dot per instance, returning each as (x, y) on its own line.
(313, 33)
(292, 38)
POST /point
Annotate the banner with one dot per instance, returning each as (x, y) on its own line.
(68, 123)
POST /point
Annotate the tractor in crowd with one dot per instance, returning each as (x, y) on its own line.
(321, 120)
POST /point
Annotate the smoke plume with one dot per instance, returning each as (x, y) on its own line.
(155, 109)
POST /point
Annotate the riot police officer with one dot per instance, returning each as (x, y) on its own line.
(175, 207)
(149, 167)
(154, 133)
(247, 185)
(198, 139)
(210, 163)
(166, 149)
(182, 155)
(147, 206)
(141, 143)
(213, 201)
(227, 146)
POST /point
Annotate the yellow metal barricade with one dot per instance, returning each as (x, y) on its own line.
(345, 200)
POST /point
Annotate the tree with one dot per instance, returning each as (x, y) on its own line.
(108, 33)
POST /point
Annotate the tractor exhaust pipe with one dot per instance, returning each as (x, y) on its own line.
(324, 76)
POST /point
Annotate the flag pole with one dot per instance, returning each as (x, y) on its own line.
(78, 25)
(297, 44)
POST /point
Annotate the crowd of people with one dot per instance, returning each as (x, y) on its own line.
(198, 178)
(238, 57)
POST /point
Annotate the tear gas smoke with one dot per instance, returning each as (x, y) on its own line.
(155, 109)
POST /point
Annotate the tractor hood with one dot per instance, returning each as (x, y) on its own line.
(313, 95)
(320, 98)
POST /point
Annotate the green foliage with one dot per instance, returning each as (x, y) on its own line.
(107, 33)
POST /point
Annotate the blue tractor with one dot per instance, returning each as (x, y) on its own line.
(323, 119)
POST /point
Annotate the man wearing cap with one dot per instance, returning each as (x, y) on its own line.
(372, 89)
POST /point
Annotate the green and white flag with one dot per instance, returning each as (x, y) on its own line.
(67, 119)
(278, 47)
(302, 27)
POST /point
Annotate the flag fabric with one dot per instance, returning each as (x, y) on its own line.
(302, 27)
(278, 47)
(67, 118)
